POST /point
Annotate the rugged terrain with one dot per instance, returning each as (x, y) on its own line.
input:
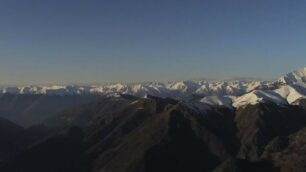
(223, 126)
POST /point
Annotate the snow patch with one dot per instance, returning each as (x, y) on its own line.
(217, 101)
(259, 96)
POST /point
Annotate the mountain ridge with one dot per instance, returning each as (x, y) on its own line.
(288, 88)
(257, 130)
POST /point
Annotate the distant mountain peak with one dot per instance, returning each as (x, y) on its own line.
(297, 76)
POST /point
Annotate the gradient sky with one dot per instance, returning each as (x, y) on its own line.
(86, 41)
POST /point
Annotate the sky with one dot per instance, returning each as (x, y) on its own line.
(97, 41)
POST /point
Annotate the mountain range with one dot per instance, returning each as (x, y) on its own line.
(199, 126)
(287, 89)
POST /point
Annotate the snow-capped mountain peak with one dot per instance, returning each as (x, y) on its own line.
(298, 76)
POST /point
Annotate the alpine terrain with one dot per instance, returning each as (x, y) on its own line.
(237, 125)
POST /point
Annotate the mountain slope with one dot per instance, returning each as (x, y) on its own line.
(219, 129)
(162, 134)
(28, 110)
(259, 124)
(9, 134)
(60, 153)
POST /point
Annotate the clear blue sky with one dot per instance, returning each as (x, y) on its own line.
(79, 41)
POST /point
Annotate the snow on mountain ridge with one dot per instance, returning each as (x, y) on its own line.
(259, 96)
(297, 76)
(288, 88)
(217, 100)
(289, 93)
(174, 89)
